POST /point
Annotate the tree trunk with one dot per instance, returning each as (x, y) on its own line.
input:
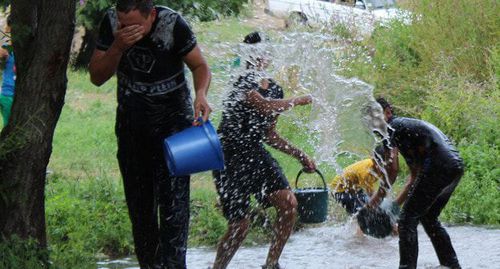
(42, 33)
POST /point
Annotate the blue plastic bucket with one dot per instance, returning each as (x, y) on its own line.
(195, 149)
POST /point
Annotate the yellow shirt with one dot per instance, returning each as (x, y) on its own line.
(360, 175)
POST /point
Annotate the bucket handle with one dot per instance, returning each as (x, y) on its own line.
(316, 171)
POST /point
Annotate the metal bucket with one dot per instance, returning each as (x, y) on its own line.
(312, 202)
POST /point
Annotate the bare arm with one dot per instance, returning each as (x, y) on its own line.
(392, 168)
(403, 194)
(274, 140)
(270, 106)
(103, 64)
(201, 77)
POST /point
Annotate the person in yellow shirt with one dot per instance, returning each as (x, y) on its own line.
(354, 187)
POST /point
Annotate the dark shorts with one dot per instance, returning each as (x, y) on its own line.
(250, 171)
(352, 202)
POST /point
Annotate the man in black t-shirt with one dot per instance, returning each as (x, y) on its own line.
(147, 47)
(436, 169)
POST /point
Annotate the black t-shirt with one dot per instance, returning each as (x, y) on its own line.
(422, 143)
(151, 73)
(243, 125)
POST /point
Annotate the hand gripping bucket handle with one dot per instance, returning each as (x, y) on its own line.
(316, 171)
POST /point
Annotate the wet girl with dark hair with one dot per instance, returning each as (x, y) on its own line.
(248, 122)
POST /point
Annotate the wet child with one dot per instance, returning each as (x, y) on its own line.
(354, 187)
(248, 123)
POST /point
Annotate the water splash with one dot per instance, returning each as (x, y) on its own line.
(344, 112)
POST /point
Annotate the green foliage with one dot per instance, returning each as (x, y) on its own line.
(494, 64)
(91, 12)
(207, 10)
(457, 36)
(452, 38)
(469, 113)
(463, 109)
(341, 30)
(477, 198)
(206, 224)
(86, 218)
(18, 253)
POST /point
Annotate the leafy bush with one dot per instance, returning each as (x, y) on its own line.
(468, 112)
(18, 253)
(477, 198)
(452, 38)
(463, 109)
(207, 10)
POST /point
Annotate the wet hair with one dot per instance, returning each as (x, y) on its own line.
(253, 38)
(383, 103)
(144, 6)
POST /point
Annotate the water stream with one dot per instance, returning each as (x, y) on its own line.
(332, 247)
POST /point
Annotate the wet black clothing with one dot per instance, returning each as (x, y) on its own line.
(423, 145)
(242, 124)
(153, 102)
(429, 195)
(248, 171)
(249, 167)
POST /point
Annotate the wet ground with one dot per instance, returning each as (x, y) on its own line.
(338, 247)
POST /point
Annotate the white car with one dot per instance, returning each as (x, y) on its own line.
(360, 16)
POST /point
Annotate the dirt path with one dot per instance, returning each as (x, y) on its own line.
(260, 19)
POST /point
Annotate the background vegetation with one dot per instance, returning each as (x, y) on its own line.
(444, 68)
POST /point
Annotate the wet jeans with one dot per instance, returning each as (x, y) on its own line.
(160, 239)
(427, 198)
